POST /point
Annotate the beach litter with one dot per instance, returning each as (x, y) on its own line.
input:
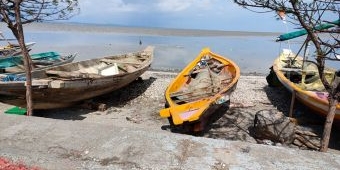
(16, 110)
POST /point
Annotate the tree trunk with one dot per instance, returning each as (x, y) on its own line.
(328, 125)
(333, 101)
(27, 62)
(15, 32)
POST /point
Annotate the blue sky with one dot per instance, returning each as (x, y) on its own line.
(187, 14)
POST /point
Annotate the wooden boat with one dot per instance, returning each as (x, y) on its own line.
(304, 81)
(68, 84)
(15, 64)
(13, 49)
(200, 89)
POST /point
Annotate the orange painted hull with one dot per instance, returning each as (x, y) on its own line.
(198, 108)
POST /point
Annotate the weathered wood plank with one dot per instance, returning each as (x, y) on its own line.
(65, 74)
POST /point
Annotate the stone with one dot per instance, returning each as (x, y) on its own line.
(275, 126)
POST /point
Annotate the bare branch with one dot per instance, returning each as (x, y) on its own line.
(40, 10)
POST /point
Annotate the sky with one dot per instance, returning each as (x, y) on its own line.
(183, 14)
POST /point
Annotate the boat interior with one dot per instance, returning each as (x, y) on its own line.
(94, 68)
(206, 79)
(303, 73)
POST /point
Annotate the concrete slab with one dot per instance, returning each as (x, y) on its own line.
(67, 144)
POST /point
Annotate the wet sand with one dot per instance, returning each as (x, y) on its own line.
(77, 27)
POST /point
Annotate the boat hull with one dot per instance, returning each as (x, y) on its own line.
(76, 91)
(314, 99)
(201, 88)
(49, 94)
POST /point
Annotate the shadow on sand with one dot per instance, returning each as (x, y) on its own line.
(225, 123)
(187, 128)
(307, 119)
(121, 97)
(231, 124)
(116, 98)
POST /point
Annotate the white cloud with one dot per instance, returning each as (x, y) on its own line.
(165, 6)
(173, 5)
(106, 6)
(182, 5)
(216, 14)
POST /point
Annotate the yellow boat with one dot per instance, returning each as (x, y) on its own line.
(305, 81)
(199, 90)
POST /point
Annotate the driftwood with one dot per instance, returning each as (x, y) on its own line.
(306, 133)
(303, 141)
(306, 139)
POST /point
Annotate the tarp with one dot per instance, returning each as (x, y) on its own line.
(14, 60)
(302, 32)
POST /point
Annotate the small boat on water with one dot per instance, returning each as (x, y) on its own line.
(15, 64)
(199, 90)
(302, 77)
(68, 84)
(13, 49)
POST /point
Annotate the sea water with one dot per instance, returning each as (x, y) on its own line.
(252, 53)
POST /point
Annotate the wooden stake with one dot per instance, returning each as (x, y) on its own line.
(292, 104)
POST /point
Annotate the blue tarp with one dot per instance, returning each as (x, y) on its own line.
(13, 77)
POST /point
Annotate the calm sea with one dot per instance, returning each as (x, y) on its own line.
(254, 52)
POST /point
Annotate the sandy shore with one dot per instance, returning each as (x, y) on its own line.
(138, 105)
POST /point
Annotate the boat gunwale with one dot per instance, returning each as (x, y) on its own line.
(145, 64)
(286, 82)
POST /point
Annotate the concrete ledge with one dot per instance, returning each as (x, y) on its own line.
(65, 144)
